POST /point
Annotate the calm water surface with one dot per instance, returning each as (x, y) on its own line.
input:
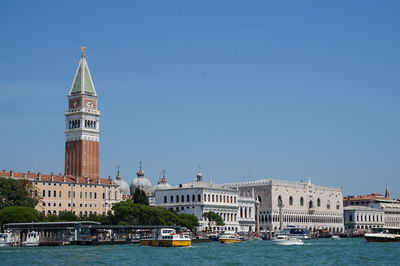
(313, 252)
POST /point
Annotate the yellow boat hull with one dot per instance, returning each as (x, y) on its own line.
(226, 241)
(166, 243)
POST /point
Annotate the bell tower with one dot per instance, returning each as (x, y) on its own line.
(82, 120)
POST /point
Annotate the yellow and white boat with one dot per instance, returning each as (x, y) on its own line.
(166, 237)
(229, 237)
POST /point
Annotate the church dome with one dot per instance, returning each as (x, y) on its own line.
(162, 183)
(141, 182)
(123, 186)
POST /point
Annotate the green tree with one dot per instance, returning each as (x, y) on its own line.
(12, 193)
(18, 214)
(140, 197)
(213, 217)
(189, 221)
(67, 216)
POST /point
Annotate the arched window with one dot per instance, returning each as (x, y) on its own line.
(193, 198)
(328, 204)
(301, 201)
(310, 204)
(187, 198)
(290, 200)
(172, 198)
(165, 199)
(318, 202)
(208, 197)
(337, 205)
(198, 197)
(177, 198)
(280, 200)
(183, 198)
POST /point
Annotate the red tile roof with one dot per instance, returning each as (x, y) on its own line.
(56, 178)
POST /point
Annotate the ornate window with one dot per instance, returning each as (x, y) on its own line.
(337, 205)
(290, 200)
(328, 204)
(310, 204)
(318, 202)
(301, 201)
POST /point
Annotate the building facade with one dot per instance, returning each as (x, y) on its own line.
(361, 217)
(300, 204)
(237, 211)
(82, 196)
(378, 201)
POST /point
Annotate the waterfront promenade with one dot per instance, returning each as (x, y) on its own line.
(313, 252)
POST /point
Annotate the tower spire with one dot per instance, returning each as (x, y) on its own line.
(387, 193)
(83, 82)
(118, 176)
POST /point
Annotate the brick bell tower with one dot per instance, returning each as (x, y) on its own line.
(82, 125)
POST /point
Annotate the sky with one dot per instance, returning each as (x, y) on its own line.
(243, 89)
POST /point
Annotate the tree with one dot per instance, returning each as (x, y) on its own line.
(18, 214)
(213, 217)
(12, 193)
(189, 221)
(140, 197)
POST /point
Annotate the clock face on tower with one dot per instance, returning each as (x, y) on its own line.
(89, 104)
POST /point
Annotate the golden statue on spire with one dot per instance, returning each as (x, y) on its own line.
(83, 49)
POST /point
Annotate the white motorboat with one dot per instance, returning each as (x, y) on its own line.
(285, 240)
(6, 239)
(335, 237)
(383, 235)
(296, 232)
(32, 239)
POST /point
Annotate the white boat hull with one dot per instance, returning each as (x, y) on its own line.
(288, 242)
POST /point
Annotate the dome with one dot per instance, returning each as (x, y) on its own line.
(162, 182)
(123, 186)
(162, 186)
(141, 182)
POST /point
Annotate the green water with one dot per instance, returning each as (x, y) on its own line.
(313, 252)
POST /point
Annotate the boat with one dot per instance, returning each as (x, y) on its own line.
(335, 237)
(296, 232)
(32, 239)
(286, 240)
(6, 239)
(229, 237)
(166, 237)
(383, 235)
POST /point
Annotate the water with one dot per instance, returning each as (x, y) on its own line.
(313, 252)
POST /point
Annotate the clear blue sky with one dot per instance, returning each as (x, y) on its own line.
(246, 89)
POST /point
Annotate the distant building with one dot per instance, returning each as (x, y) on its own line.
(236, 210)
(82, 196)
(390, 207)
(362, 217)
(303, 204)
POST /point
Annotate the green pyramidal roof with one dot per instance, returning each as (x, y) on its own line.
(83, 82)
